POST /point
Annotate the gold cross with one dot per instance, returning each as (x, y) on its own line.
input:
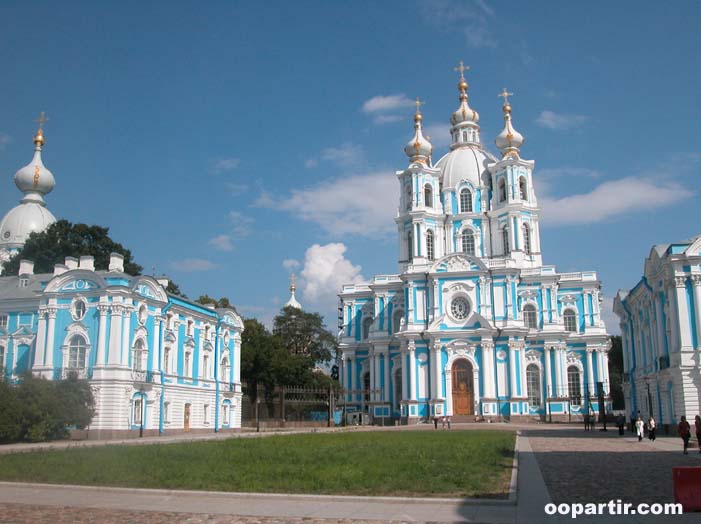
(505, 95)
(42, 118)
(292, 280)
(418, 104)
(462, 68)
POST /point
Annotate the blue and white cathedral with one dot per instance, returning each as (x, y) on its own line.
(474, 324)
(157, 362)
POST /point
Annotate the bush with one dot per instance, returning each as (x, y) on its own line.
(36, 409)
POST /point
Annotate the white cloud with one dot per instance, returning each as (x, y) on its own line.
(558, 121)
(221, 243)
(237, 188)
(241, 224)
(345, 155)
(568, 171)
(4, 140)
(362, 205)
(609, 317)
(290, 263)
(326, 269)
(387, 103)
(312, 162)
(226, 164)
(388, 119)
(193, 264)
(472, 18)
(610, 199)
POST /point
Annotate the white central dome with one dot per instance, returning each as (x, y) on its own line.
(22, 220)
(464, 163)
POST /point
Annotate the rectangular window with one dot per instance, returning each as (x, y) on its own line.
(138, 411)
(205, 366)
(206, 414)
(2, 357)
(166, 412)
(166, 361)
(225, 414)
(186, 371)
(3, 321)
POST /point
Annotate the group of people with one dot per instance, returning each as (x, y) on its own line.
(683, 428)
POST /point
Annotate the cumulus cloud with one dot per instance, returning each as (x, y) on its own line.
(387, 103)
(610, 199)
(363, 205)
(241, 224)
(193, 264)
(221, 243)
(225, 164)
(559, 121)
(609, 317)
(290, 264)
(326, 269)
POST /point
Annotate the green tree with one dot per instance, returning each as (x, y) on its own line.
(223, 302)
(259, 352)
(616, 372)
(63, 239)
(304, 334)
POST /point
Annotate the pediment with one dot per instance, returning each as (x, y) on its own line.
(458, 262)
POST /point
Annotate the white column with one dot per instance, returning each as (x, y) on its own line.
(377, 380)
(553, 303)
(236, 358)
(682, 309)
(354, 379)
(156, 347)
(548, 374)
(126, 333)
(585, 301)
(696, 281)
(523, 364)
(488, 368)
(605, 370)
(102, 309)
(115, 343)
(436, 366)
(405, 375)
(371, 370)
(558, 374)
(590, 371)
(412, 370)
(488, 300)
(512, 371)
(50, 330)
(386, 390)
(40, 340)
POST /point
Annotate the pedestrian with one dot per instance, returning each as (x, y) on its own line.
(651, 428)
(620, 422)
(685, 433)
(697, 423)
(639, 428)
(586, 422)
(592, 421)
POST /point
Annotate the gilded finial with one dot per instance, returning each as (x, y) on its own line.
(418, 104)
(505, 95)
(461, 68)
(39, 137)
(292, 283)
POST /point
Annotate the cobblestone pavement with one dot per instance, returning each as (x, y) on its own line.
(20, 513)
(580, 466)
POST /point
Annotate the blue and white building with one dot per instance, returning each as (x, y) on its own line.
(473, 324)
(661, 334)
(157, 362)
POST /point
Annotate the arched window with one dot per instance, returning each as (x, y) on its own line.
(530, 316)
(407, 196)
(186, 364)
(224, 369)
(430, 251)
(505, 241)
(468, 242)
(502, 190)
(76, 352)
(367, 322)
(533, 385)
(2, 358)
(79, 309)
(523, 188)
(526, 239)
(570, 319)
(464, 136)
(137, 362)
(428, 195)
(397, 320)
(166, 360)
(466, 201)
(574, 385)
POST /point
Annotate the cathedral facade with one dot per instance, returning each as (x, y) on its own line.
(660, 322)
(473, 324)
(157, 362)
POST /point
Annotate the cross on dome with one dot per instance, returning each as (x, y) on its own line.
(42, 118)
(461, 68)
(39, 137)
(505, 95)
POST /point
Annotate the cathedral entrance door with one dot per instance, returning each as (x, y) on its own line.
(186, 423)
(463, 388)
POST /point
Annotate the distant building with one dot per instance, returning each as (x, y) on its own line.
(473, 324)
(661, 334)
(156, 362)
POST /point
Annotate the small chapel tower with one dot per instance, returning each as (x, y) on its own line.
(292, 302)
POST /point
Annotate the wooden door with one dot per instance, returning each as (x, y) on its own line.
(463, 388)
(186, 423)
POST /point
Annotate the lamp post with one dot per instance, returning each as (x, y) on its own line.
(649, 398)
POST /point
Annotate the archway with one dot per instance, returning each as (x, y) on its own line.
(463, 388)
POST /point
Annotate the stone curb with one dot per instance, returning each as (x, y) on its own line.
(513, 485)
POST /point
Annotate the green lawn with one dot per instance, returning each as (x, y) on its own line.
(419, 463)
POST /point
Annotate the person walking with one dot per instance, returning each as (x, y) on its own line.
(684, 432)
(697, 424)
(651, 428)
(620, 422)
(639, 428)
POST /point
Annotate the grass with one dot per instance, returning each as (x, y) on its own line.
(400, 463)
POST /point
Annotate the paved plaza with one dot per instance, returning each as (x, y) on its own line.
(556, 463)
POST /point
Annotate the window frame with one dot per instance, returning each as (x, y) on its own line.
(570, 383)
(471, 235)
(523, 188)
(430, 245)
(76, 348)
(505, 241)
(530, 316)
(466, 201)
(428, 195)
(502, 192)
(574, 315)
(530, 386)
(526, 232)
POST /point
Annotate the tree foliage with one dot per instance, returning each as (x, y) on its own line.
(63, 239)
(37, 409)
(223, 302)
(616, 372)
(303, 334)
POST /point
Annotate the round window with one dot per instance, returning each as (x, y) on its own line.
(6, 235)
(79, 309)
(143, 314)
(460, 308)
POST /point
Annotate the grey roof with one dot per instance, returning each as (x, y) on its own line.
(9, 286)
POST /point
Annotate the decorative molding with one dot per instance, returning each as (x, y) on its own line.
(573, 358)
(533, 356)
(680, 282)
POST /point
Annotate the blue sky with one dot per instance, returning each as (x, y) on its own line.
(229, 143)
